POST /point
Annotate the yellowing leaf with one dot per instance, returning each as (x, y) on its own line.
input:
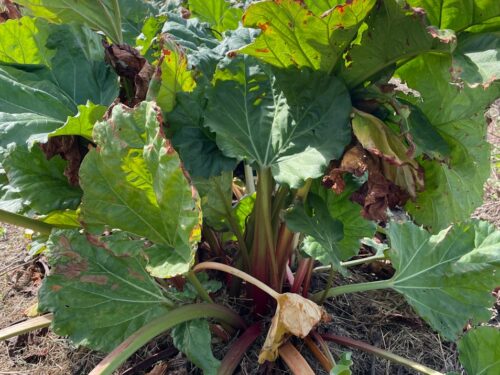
(175, 77)
(295, 315)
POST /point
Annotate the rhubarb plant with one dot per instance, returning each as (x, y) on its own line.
(147, 143)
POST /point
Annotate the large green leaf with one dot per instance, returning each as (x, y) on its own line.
(294, 126)
(458, 14)
(41, 183)
(98, 299)
(30, 106)
(340, 207)
(135, 182)
(448, 277)
(479, 351)
(108, 16)
(193, 338)
(217, 13)
(191, 139)
(23, 41)
(453, 189)
(392, 35)
(323, 232)
(476, 58)
(70, 52)
(36, 99)
(292, 35)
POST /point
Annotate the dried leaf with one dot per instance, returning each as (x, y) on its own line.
(8, 11)
(295, 315)
(132, 68)
(66, 146)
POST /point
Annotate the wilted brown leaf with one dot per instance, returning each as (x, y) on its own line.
(295, 315)
(132, 68)
(68, 147)
(8, 11)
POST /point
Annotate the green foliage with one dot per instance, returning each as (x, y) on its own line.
(343, 366)
(330, 102)
(154, 199)
(193, 338)
(479, 351)
(115, 296)
(447, 278)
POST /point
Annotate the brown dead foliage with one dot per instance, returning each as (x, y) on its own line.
(67, 147)
(134, 70)
(8, 11)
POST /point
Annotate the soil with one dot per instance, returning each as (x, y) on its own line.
(381, 318)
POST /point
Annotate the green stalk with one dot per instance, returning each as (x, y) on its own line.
(329, 283)
(265, 189)
(235, 229)
(352, 263)
(159, 325)
(346, 341)
(25, 222)
(193, 279)
(352, 288)
(249, 181)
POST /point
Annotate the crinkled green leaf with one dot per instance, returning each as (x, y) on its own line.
(82, 123)
(448, 277)
(479, 351)
(343, 366)
(135, 182)
(323, 232)
(217, 13)
(476, 58)
(193, 338)
(196, 39)
(293, 35)
(98, 299)
(355, 227)
(102, 15)
(294, 126)
(455, 188)
(40, 182)
(458, 14)
(393, 35)
(216, 196)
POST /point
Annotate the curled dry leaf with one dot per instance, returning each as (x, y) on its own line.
(295, 315)
(131, 66)
(68, 147)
